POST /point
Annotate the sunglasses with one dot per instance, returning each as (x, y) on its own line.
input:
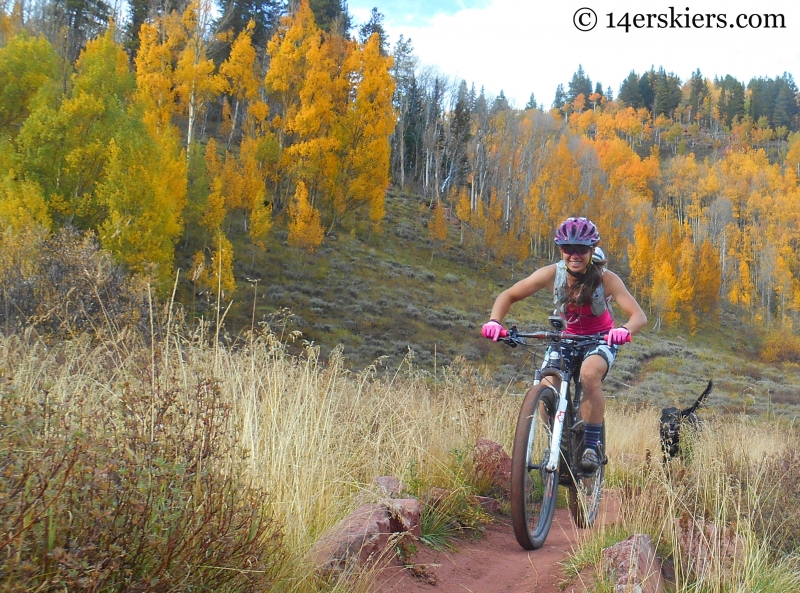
(575, 249)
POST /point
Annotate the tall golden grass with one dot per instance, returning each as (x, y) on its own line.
(309, 436)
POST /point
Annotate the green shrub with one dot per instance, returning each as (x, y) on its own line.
(137, 496)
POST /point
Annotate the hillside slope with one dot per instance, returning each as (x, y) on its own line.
(395, 298)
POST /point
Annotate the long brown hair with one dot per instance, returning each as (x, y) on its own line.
(580, 293)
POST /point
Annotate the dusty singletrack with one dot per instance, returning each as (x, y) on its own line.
(496, 563)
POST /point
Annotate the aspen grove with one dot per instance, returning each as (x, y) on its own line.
(154, 137)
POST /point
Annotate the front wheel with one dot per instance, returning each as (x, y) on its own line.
(586, 493)
(533, 488)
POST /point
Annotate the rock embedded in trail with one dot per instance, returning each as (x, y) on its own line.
(634, 565)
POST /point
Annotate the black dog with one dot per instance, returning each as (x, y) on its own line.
(671, 421)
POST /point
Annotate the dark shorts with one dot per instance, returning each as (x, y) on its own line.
(608, 353)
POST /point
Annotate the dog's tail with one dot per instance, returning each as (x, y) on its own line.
(696, 404)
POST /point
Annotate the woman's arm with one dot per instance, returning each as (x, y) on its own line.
(541, 278)
(613, 286)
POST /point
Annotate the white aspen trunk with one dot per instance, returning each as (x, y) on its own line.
(233, 127)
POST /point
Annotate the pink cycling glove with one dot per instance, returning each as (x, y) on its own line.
(492, 330)
(618, 335)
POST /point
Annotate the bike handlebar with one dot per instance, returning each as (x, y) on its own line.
(553, 335)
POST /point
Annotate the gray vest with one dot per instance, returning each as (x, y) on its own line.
(599, 302)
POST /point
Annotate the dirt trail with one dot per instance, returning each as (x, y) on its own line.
(496, 563)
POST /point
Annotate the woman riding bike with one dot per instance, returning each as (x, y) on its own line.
(581, 289)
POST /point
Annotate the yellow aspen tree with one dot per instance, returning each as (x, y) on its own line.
(26, 64)
(239, 74)
(463, 211)
(305, 228)
(214, 214)
(477, 221)
(437, 225)
(143, 219)
(742, 290)
(63, 145)
(314, 155)
(260, 221)
(11, 24)
(365, 132)
(22, 205)
(640, 256)
(662, 297)
(708, 278)
(218, 276)
(155, 80)
(685, 282)
(196, 82)
(287, 51)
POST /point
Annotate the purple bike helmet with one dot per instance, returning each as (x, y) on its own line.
(577, 231)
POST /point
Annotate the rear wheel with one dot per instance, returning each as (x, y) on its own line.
(587, 492)
(533, 488)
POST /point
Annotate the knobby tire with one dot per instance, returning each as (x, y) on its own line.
(533, 490)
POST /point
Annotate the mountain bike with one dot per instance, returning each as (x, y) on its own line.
(549, 440)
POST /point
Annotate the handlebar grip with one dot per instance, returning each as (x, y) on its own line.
(627, 338)
(503, 333)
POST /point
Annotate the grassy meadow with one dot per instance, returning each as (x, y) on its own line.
(172, 464)
(144, 453)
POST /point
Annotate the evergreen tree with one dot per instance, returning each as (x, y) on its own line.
(731, 100)
(668, 93)
(561, 97)
(579, 85)
(375, 25)
(647, 89)
(698, 91)
(786, 107)
(266, 15)
(331, 16)
(500, 103)
(460, 136)
(531, 104)
(629, 92)
(609, 94)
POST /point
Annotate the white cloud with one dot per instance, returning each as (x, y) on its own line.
(524, 46)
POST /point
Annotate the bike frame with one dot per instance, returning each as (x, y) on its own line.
(564, 401)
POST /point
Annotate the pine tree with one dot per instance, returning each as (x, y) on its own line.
(561, 97)
(531, 104)
(580, 84)
(375, 26)
(629, 93)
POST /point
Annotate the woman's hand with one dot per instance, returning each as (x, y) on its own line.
(617, 336)
(492, 330)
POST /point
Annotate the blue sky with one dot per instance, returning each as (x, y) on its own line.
(525, 46)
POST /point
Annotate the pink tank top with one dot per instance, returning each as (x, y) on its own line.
(580, 320)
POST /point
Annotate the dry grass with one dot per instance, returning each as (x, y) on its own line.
(181, 425)
(232, 461)
(738, 473)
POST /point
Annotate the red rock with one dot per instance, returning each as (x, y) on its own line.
(634, 566)
(492, 466)
(404, 515)
(490, 505)
(704, 547)
(436, 496)
(361, 536)
(388, 486)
